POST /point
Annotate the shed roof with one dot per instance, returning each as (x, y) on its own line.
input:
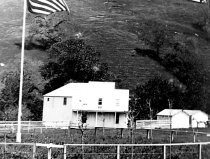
(172, 112)
(169, 112)
(192, 112)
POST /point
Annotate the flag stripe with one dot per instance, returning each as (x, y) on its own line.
(59, 4)
(38, 11)
(36, 6)
(62, 2)
(46, 7)
(51, 4)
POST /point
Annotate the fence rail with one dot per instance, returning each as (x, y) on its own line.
(153, 124)
(28, 125)
(115, 150)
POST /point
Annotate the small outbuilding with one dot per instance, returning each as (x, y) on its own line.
(177, 117)
(184, 118)
(197, 118)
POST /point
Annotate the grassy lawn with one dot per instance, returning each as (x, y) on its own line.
(108, 136)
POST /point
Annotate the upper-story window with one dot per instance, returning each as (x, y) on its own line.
(117, 102)
(64, 101)
(48, 99)
(100, 102)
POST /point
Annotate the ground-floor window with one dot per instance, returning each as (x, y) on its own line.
(84, 117)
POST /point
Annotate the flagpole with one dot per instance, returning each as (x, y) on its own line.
(18, 135)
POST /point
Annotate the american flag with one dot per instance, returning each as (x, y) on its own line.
(46, 7)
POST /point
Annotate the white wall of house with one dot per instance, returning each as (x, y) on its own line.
(115, 100)
(55, 110)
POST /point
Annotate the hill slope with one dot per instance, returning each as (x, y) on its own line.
(112, 26)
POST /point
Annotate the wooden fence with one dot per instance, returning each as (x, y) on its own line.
(153, 124)
(28, 127)
(118, 147)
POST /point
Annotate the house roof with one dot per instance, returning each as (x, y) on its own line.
(172, 112)
(72, 88)
(66, 90)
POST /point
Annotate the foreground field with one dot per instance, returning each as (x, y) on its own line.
(107, 136)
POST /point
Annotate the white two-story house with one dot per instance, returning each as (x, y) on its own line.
(96, 104)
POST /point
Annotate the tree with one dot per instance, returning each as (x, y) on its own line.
(32, 90)
(44, 32)
(152, 97)
(72, 60)
(190, 70)
(154, 35)
(181, 59)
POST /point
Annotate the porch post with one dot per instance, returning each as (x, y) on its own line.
(96, 124)
(77, 118)
(115, 119)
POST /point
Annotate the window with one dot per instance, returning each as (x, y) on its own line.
(100, 103)
(48, 99)
(117, 118)
(117, 102)
(84, 117)
(64, 101)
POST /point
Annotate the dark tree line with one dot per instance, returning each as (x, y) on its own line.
(73, 60)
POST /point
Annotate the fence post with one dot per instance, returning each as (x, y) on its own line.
(194, 137)
(118, 151)
(49, 152)
(5, 141)
(34, 151)
(200, 151)
(64, 151)
(171, 135)
(28, 126)
(121, 132)
(164, 152)
(148, 134)
(95, 132)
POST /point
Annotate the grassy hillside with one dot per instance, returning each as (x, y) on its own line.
(112, 26)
